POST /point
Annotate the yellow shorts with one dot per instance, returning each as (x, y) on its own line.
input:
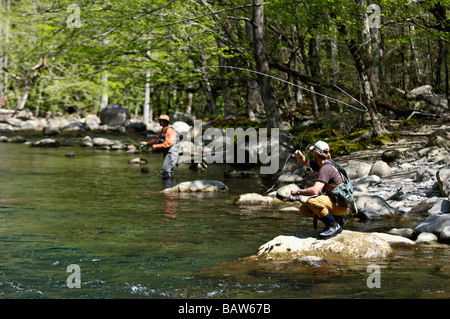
(320, 206)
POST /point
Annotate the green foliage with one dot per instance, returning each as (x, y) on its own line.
(177, 42)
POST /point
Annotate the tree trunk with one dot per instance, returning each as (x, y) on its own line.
(147, 113)
(209, 91)
(371, 63)
(262, 66)
(4, 29)
(188, 103)
(415, 56)
(254, 102)
(24, 97)
(439, 59)
(335, 63)
(313, 50)
(378, 128)
(104, 99)
(224, 82)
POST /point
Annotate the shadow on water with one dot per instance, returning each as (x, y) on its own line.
(130, 240)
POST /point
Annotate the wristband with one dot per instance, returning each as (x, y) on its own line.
(298, 192)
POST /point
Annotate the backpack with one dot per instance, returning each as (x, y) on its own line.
(343, 194)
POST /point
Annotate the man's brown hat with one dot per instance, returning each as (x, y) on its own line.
(164, 117)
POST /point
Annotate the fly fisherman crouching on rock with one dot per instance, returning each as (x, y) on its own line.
(167, 142)
(323, 203)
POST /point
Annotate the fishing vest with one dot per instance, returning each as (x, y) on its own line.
(162, 138)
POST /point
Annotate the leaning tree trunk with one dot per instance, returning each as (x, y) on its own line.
(262, 65)
(378, 128)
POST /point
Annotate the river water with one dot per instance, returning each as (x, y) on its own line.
(129, 240)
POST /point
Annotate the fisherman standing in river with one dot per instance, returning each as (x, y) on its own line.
(167, 143)
(322, 205)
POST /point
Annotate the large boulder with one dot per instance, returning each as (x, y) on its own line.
(198, 186)
(348, 244)
(284, 193)
(357, 169)
(390, 156)
(374, 206)
(381, 169)
(437, 225)
(114, 115)
(439, 138)
(443, 177)
(419, 92)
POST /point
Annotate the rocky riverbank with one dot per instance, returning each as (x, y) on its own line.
(406, 179)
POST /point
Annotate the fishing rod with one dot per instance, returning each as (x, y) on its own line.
(364, 109)
(138, 146)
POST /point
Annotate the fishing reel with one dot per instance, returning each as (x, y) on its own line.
(296, 152)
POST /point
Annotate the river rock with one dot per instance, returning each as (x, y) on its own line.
(101, 141)
(419, 91)
(58, 122)
(114, 115)
(348, 244)
(369, 180)
(404, 232)
(92, 122)
(136, 127)
(380, 169)
(253, 199)
(443, 177)
(50, 131)
(434, 225)
(426, 238)
(395, 240)
(47, 142)
(357, 169)
(33, 124)
(137, 160)
(375, 205)
(284, 193)
(198, 186)
(16, 139)
(104, 143)
(440, 139)
(442, 206)
(75, 126)
(390, 156)
(87, 142)
(444, 236)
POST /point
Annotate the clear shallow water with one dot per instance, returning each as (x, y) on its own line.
(131, 241)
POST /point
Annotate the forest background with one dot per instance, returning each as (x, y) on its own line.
(194, 56)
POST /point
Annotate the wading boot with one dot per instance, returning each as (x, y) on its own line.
(340, 220)
(332, 228)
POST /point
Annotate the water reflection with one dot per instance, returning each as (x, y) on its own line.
(170, 200)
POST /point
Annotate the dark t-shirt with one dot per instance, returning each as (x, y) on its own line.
(328, 174)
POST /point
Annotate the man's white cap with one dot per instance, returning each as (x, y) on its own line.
(321, 147)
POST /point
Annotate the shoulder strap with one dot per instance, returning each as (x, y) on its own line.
(341, 171)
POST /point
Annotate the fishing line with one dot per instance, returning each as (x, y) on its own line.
(301, 87)
(282, 169)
